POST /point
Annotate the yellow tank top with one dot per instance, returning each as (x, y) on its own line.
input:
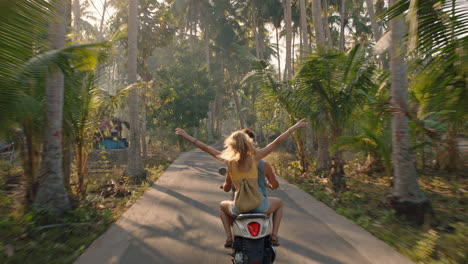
(237, 175)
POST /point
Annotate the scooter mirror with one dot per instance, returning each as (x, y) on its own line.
(222, 171)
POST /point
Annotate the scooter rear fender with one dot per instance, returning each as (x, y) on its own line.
(240, 227)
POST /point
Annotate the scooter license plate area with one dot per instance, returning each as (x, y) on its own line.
(251, 251)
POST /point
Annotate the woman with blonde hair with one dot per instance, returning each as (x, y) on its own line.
(241, 158)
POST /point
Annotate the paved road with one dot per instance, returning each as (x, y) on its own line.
(176, 221)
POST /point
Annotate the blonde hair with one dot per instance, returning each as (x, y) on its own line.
(238, 147)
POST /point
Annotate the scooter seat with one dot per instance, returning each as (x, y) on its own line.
(250, 216)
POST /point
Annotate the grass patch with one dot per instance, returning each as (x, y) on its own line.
(444, 240)
(36, 235)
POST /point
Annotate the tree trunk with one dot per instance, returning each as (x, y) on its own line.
(337, 172)
(374, 25)
(323, 155)
(288, 22)
(278, 55)
(101, 25)
(82, 166)
(207, 55)
(301, 152)
(144, 146)
(76, 20)
(317, 20)
(30, 154)
(211, 115)
(238, 107)
(310, 140)
(67, 161)
(219, 101)
(449, 156)
(51, 191)
(254, 21)
(326, 26)
(342, 25)
(305, 38)
(375, 29)
(135, 163)
(261, 37)
(407, 198)
(211, 120)
(292, 53)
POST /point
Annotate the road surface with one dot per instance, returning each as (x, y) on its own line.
(176, 221)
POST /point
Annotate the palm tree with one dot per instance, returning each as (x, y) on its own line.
(326, 26)
(264, 77)
(375, 27)
(331, 85)
(23, 78)
(288, 28)
(407, 198)
(323, 155)
(439, 41)
(276, 17)
(82, 28)
(304, 31)
(51, 190)
(135, 163)
(344, 21)
(20, 102)
(318, 25)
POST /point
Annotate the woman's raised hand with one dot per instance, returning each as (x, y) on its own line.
(301, 123)
(181, 132)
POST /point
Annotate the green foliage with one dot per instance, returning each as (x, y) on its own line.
(373, 135)
(438, 42)
(62, 236)
(42, 235)
(364, 203)
(332, 84)
(436, 247)
(187, 82)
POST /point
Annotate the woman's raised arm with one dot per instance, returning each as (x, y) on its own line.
(262, 153)
(213, 152)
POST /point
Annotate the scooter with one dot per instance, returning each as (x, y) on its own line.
(252, 238)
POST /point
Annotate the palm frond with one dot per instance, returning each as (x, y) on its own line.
(333, 84)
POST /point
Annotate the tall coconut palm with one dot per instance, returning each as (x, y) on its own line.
(326, 26)
(288, 29)
(439, 34)
(135, 166)
(304, 31)
(105, 5)
(375, 27)
(323, 155)
(316, 7)
(275, 9)
(23, 76)
(51, 191)
(407, 198)
(83, 29)
(344, 21)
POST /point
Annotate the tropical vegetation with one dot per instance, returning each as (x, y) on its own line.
(382, 84)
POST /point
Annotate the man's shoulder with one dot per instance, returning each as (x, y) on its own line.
(265, 163)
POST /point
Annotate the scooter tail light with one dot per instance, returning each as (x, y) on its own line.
(254, 228)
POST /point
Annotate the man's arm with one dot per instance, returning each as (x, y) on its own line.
(227, 183)
(261, 153)
(270, 175)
